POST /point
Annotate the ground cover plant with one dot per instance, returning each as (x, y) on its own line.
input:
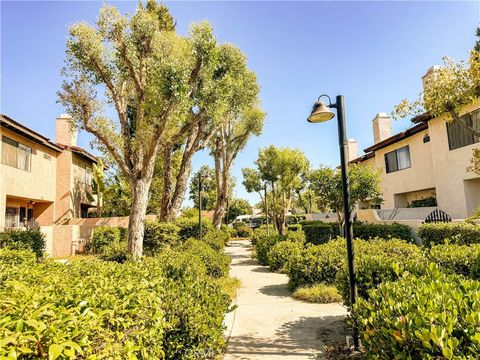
(318, 293)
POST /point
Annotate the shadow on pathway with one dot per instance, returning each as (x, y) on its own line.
(269, 323)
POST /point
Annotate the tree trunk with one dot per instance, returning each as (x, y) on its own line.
(221, 200)
(140, 188)
(167, 183)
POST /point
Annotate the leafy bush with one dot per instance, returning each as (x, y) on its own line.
(318, 232)
(283, 252)
(385, 231)
(430, 317)
(261, 232)
(317, 264)
(319, 293)
(160, 308)
(159, 235)
(105, 235)
(263, 245)
(115, 251)
(217, 263)
(189, 228)
(379, 261)
(294, 227)
(33, 240)
(243, 231)
(17, 257)
(454, 258)
(297, 236)
(217, 239)
(460, 233)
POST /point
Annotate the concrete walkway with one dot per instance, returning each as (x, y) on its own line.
(269, 323)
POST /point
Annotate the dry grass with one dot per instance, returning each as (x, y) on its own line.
(230, 285)
(319, 293)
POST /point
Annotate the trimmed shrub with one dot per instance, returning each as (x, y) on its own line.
(319, 293)
(317, 264)
(460, 233)
(159, 235)
(216, 263)
(243, 231)
(160, 308)
(283, 252)
(115, 251)
(230, 231)
(453, 258)
(297, 236)
(189, 228)
(430, 317)
(318, 232)
(106, 235)
(17, 257)
(385, 231)
(33, 240)
(379, 261)
(216, 239)
(261, 232)
(263, 246)
(294, 227)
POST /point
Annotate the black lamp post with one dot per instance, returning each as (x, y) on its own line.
(201, 177)
(322, 113)
(266, 209)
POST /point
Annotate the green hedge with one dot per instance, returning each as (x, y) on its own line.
(33, 240)
(263, 245)
(159, 235)
(189, 228)
(318, 232)
(282, 253)
(161, 308)
(453, 258)
(216, 239)
(103, 236)
(17, 257)
(379, 261)
(430, 317)
(217, 263)
(317, 264)
(456, 233)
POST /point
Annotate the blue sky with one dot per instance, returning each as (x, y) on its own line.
(373, 53)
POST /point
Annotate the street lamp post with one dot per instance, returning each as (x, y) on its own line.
(266, 210)
(321, 113)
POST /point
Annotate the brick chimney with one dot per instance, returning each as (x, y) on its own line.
(382, 127)
(431, 74)
(66, 134)
(352, 149)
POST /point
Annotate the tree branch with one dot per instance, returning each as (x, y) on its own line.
(467, 127)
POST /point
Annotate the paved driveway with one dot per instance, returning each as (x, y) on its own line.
(269, 323)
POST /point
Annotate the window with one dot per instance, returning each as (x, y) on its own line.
(458, 136)
(398, 159)
(16, 154)
(83, 174)
(11, 217)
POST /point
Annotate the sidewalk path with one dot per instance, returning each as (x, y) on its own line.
(269, 323)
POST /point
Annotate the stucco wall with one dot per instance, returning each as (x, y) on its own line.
(450, 169)
(36, 184)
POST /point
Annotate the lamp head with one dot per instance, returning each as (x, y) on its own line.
(320, 113)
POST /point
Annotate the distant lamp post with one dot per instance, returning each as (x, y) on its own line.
(266, 209)
(321, 113)
(201, 178)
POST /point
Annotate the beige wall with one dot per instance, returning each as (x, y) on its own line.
(434, 170)
(27, 184)
(450, 170)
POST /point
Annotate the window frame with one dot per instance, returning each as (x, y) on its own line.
(20, 149)
(464, 138)
(397, 164)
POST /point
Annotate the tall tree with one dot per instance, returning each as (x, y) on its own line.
(231, 138)
(226, 86)
(237, 207)
(282, 170)
(150, 75)
(364, 184)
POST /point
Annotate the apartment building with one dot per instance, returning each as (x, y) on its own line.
(42, 180)
(429, 160)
